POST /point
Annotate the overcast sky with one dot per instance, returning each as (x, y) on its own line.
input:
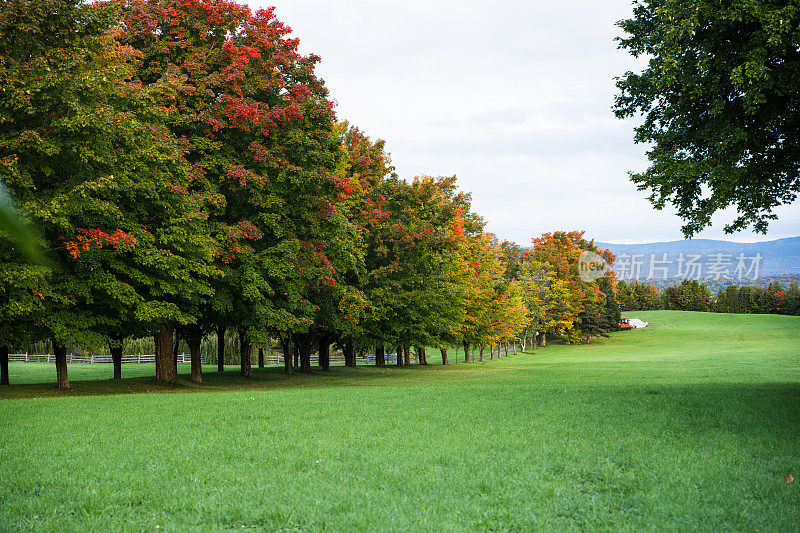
(512, 96)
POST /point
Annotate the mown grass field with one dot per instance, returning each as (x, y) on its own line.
(693, 423)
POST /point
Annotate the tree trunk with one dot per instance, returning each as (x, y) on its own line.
(422, 355)
(491, 352)
(506, 348)
(195, 339)
(407, 354)
(116, 354)
(353, 352)
(380, 355)
(286, 344)
(60, 352)
(304, 342)
(295, 351)
(324, 350)
(3, 365)
(399, 351)
(345, 344)
(165, 360)
(466, 352)
(221, 349)
(444, 355)
(261, 358)
(480, 353)
(544, 339)
(177, 342)
(349, 350)
(244, 353)
(533, 341)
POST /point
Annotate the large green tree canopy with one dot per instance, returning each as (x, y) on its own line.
(85, 154)
(721, 103)
(259, 131)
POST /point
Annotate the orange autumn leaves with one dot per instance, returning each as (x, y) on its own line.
(86, 238)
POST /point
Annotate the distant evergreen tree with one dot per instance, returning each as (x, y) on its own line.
(773, 298)
(624, 295)
(610, 306)
(791, 305)
(591, 321)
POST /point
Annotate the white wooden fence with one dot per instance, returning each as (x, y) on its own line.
(337, 358)
(269, 359)
(72, 358)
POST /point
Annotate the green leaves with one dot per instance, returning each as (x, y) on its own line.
(84, 152)
(720, 107)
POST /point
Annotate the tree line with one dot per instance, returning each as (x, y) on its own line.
(186, 174)
(692, 295)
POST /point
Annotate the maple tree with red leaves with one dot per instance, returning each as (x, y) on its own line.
(257, 126)
(583, 313)
(86, 156)
(416, 272)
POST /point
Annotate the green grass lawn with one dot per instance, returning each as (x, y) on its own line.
(692, 423)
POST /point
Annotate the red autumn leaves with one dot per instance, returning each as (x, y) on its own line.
(86, 238)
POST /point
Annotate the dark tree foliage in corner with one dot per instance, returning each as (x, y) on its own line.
(721, 103)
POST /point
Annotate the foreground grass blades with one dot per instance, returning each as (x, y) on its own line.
(689, 424)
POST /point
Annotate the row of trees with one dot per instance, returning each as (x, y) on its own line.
(772, 299)
(187, 176)
(691, 295)
(636, 296)
(560, 303)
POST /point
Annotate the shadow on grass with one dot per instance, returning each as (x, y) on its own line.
(270, 378)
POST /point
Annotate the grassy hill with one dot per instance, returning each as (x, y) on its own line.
(688, 424)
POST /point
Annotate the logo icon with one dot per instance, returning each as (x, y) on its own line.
(591, 266)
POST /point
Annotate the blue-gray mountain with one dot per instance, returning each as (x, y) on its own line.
(779, 257)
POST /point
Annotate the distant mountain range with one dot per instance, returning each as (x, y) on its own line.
(777, 258)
